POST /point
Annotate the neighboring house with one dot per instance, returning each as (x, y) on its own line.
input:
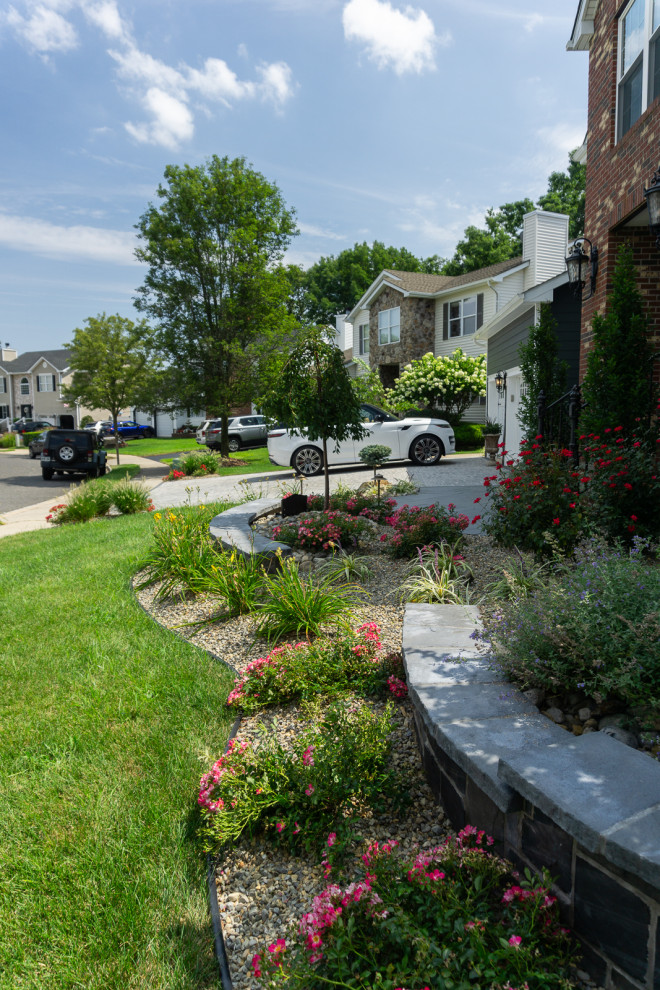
(404, 315)
(545, 244)
(622, 144)
(30, 388)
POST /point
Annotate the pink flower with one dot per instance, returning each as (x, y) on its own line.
(515, 941)
(332, 838)
(307, 757)
(280, 826)
(309, 790)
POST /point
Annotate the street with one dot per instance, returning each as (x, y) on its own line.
(21, 483)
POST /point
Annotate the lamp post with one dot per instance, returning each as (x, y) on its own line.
(582, 263)
(500, 385)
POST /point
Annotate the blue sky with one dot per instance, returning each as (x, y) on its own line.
(378, 119)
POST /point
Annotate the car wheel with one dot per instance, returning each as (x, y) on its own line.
(426, 449)
(66, 454)
(47, 474)
(307, 461)
(148, 433)
(33, 456)
(234, 444)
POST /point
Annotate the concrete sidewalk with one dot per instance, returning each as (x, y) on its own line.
(456, 480)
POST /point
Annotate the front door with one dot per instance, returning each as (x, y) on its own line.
(26, 412)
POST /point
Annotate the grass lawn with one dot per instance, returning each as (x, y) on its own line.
(156, 446)
(107, 723)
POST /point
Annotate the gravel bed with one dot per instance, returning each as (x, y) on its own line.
(262, 889)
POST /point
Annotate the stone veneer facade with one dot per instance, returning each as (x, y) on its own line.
(617, 172)
(417, 330)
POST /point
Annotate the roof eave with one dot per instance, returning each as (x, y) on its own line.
(583, 27)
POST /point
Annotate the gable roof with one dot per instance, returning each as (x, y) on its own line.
(421, 284)
(25, 362)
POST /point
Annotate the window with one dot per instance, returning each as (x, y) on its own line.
(463, 316)
(389, 321)
(4, 412)
(3, 385)
(363, 338)
(45, 383)
(639, 61)
(25, 386)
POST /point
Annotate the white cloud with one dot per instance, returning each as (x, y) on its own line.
(555, 144)
(106, 16)
(312, 231)
(404, 40)
(217, 81)
(44, 30)
(63, 243)
(275, 83)
(172, 121)
(137, 66)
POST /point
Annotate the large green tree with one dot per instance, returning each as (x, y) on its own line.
(617, 386)
(112, 359)
(315, 396)
(334, 284)
(501, 236)
(215, 282)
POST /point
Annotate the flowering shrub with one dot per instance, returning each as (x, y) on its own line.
(595, 629)
(195, 463)
(452, 916)
(325, 666)
(537, 496)
(419, 527)
(84, 502)
(296, 795)
(449, 383)
(354, 504)
(320, 530)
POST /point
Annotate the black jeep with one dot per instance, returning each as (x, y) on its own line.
(72, 452)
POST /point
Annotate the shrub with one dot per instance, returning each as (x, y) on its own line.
(438, 575)
(130, 497)
(416, 527)
(198, 463)
(375, 454)
(469, 436)
(595, 629)
(238, 579)
(297, 794)
(182, 554)
(352, 660)
(84, 502)
(452, 916)
(8, 440)
(344, 566)
(319, 530)
(354, 503)
(537, 505)
(294, 605)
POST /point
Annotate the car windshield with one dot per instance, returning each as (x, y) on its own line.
(372, 414)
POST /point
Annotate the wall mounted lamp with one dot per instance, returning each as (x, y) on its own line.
(652, 195)
(578, 263)
(500, 382)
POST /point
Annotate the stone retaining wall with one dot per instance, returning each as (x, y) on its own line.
(587, 808)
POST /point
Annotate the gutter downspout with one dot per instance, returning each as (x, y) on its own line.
(490, 285)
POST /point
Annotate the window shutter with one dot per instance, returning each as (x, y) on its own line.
(445, 321)
(480, 309)
(54, 385)
(38, 384)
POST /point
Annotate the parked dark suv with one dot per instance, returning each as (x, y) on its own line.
(72, 452)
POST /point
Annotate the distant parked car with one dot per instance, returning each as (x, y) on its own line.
(130, 430)
(30, 426)
(200, 435)
(99, 427)
(37, 445)
(244, 431)
(72, 452)
(421, 440)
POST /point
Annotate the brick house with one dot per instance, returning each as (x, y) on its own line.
(622, 147)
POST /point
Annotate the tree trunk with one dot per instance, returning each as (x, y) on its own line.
(114, 423)
(224, 436)
(326, 472)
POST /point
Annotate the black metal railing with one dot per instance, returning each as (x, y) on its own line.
(558, 420)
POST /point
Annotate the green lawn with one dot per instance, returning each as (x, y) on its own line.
(155, 446)
(107, 722)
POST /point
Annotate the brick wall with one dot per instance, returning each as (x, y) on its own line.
(616, 175)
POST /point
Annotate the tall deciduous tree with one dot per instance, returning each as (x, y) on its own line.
(334, 284)
(541, 369)
(445, 385)
(566, 195)
(215, 281)
(617, 386)
(111, 359)
(316, 397)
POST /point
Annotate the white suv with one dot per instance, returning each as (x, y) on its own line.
(244, 431)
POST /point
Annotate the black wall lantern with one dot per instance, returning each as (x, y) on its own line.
(652, 195)
(500, 382)
(578, 263)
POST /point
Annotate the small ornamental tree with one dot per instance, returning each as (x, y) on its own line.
(448, 385)
(315, 396)
(541, 370)
(616, 387)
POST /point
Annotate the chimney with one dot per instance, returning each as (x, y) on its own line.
(7, 354)
(545, 244)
